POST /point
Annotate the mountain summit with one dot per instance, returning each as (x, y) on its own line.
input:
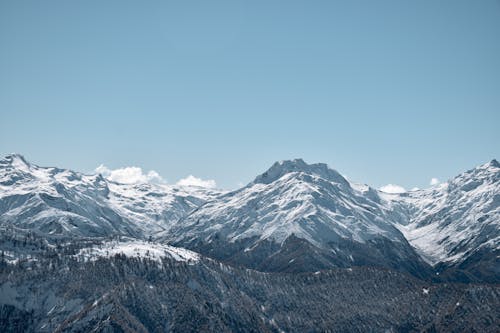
(296, 216)
(298, 166)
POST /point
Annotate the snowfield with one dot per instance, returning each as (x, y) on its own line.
(138, 249)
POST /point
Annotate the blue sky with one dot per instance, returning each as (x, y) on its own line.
(383, 91)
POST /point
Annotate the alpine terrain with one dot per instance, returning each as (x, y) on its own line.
(299, 249)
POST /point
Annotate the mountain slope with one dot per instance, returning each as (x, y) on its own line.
(295, 205)
(310, 201)
(60, 203)
(458, 221)
(83, 289)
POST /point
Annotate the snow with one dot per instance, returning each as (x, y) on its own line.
(454, 219)
(426, 240)
(141, 249)
(445, 223)
(64, 202)
(359, 187)
(309, 201)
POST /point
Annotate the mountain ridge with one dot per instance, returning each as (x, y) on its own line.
(264, 224)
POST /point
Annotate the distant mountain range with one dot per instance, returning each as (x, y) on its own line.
(295, 218)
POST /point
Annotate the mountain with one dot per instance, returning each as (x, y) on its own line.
(299, 249)
(295, 217)
(301, 217)
(457, 224)
(298, 217)
(62, 203)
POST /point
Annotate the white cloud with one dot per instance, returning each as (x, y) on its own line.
(129, 175)
(414, 189)
(195, 181)
(391, 188)
(434, 181)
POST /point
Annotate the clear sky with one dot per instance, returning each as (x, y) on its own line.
(383, 91)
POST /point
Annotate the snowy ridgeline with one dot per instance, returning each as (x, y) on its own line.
(138, 249)
(444, 224)
(55, 201)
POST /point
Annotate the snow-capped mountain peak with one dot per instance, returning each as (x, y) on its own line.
(14, 159)
(486, 170)
(14, 168)
(457, 219)
(494, 163)
(281, 168)
(310, 201)
(61, 202)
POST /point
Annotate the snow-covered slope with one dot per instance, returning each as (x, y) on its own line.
(154, 207)
(298, 217)
(454, 220)
(137, 249)
(59, 202)
(294, 201)
(312, 202)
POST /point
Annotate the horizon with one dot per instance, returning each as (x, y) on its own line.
(393, 93)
